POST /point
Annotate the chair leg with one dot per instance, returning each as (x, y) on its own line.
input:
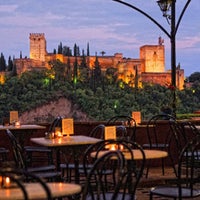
(147, 170)
(150, 196)
(163, 167)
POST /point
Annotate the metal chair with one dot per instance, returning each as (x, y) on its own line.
(125, 121)
(132, 171)
(68, 166)
(17, 178)
(187, 182)
(37, 154)
(3, 154)
(98, 190)
(157, 139)
(44, 171)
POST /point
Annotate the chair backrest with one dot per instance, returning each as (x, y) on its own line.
(189, 166)
(57, 122)
(98, 131)
(176, 141)
(16, 150)
(19, 177)
(133, 169)
(189, 129)
(98, 190)
(121, 132)
(126, 121)
(154, 131)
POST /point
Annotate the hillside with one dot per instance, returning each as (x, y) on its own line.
(46, 113)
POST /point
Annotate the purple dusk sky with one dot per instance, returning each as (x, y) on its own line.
(104, 24)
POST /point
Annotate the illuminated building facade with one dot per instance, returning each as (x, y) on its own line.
(149, 68)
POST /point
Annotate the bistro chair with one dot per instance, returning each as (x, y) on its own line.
(99, 189)
(44, 171)
(158, 138)
(3, 154)
(128, 122)
(187, 182)
(176, 142)
(16, 178)
(38, 154)
(189, 131)
(68, 167)
(133, 169)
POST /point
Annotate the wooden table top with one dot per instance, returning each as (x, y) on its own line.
(149, 154)
(65, 141)
(35, 191)
(22, 127)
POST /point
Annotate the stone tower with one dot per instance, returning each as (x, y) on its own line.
(153, 57)
(37, 46)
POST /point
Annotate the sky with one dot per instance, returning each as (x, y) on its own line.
(105, 24)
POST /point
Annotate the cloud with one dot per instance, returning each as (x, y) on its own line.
(8, 8)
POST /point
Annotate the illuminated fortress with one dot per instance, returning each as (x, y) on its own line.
(150, 67)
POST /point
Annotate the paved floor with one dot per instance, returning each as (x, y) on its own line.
(155, 178)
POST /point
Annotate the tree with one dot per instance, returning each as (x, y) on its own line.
(96, 75)
(194, 77)
(76, 50)
(10, 64)
(66, 51)
(2, 63)
(60, 49)
(102, 53)
(88, 49)
(75, 74)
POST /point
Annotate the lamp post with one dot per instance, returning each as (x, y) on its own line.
(167, 6)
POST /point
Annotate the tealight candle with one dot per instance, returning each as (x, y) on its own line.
(112, 147)
(121, 147)
(5, 182)
(17, 124)
(58, 132)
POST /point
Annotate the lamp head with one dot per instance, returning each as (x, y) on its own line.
(164, 6)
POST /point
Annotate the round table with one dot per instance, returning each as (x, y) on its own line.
(35, 191)
(149, 154)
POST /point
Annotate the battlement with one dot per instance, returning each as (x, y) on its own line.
(37, 35)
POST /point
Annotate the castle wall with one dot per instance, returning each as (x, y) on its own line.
(150, 67)
(164, 78)
(27, 64)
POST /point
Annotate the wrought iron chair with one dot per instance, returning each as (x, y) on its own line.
(18, 177)
(188, 175)
(98, 190)
(44, 171)
(157, 139)
(126, 121)
(38, 154)
(133, 170)
(68, 166)
(3, 154)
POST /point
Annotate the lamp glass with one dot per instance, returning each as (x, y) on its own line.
(164, 5)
